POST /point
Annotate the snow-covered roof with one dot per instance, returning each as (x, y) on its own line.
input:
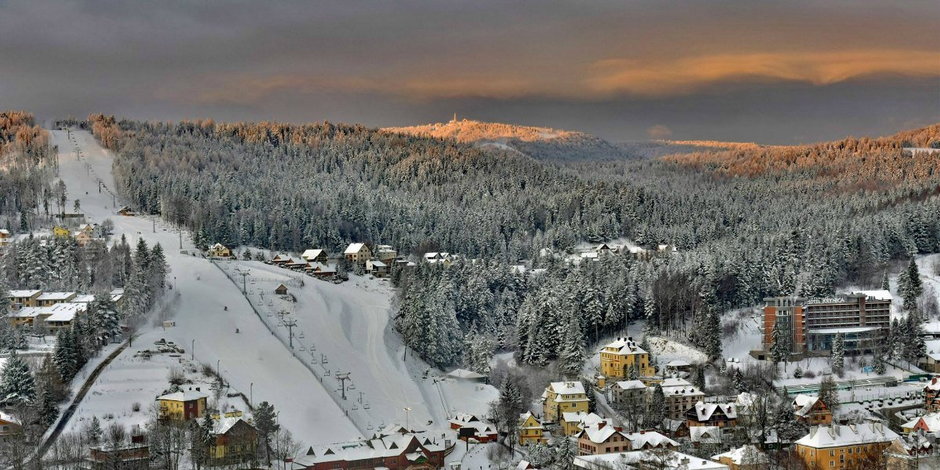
(312, 253)
(678, 363)
(804, 405)
(880, 294)
(84, 298)
(933, 349)
(64, 312)
(934, 384)
(320, 267)
(377, 264)
(382, 445)
(55, 296)
(525, 417)
(616, 461)
(567, 388)
(673, 386)
(623, 346)
(354, 248)
(630, 385)
(648, 439)
(224, 424)
(583, 419)
(704, 411)
(845, 435)
(465, 374)
(8, 417)
(705, 434)
(188, 395)
(598, 433)
(931, 422)
(22, 293)
(749, 452)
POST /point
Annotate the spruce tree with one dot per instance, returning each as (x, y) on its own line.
(656, 408)
(572, 356)
(17, 384)
(265, 422)
(838, 354)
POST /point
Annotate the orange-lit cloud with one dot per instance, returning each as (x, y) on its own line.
(687, 74)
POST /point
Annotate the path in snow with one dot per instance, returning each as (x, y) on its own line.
(253, 356)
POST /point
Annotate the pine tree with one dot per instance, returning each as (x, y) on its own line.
(828, 393)
(780, 348)
(885, 284)
(94, 431)
(656, 408)
(17, 384)
(572, 355)
(265, 416)
(838, 354)
(910, 286)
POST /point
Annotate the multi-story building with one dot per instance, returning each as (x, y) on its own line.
(932, 395)
(357, 253)
(844, 446)
(862, 318)
(622, 355)
(628, 391)
(563, 397)
(573, 423)
(712, 414)
(680, 396)
(183, 406)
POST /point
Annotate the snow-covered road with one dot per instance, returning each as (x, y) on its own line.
(253, 356)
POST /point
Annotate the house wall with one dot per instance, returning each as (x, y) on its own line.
(839, 457)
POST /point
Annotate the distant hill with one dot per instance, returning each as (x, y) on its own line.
(541, 143)
(659, 148)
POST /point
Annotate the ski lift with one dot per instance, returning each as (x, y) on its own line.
(302, 348)
(370, 427)
(355, 407)
(301, 335)
(323, 359)
(327, 373)
(365, 405)
(351, 386)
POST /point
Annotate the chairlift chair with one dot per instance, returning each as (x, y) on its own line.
(365, 405)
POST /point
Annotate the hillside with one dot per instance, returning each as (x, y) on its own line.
(541, 143)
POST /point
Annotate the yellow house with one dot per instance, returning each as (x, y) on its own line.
(219, 251)
(60, 232)
(844, 446)
(183, 406)
(618, 357)
(234, 440)
(563, 397)
(531, 430)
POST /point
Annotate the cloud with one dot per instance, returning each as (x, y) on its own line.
(689, 74)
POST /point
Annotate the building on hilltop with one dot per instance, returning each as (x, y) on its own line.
(862, 318)
(620, 356)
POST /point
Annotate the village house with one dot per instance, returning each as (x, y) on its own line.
(930, 362)
(357, 253)
(9, 426)
(572, 423)
(531, 430)
(24, 298)
(680, 396)
(909, 454)
(233, 440)
(126, 211)
(561, 397)
(4, 237)
(315, 255)
(932, 395)
(385, 254)
(844, 446)
(747, 457)
(393, 448)
(377, 268)
(810, 410)
(468, 426)
(627, 391)
(219, 251)
(646, 440)
(623, 355)
(601, 438)
(128, 456)
(60, 232)
(321, 270)
(707, 435)
(442, 257)
(928, 423)
(712, 414)
(61, 316)
(281, 289)
(183, 406)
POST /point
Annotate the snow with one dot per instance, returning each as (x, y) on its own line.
(844, 435)
(665, 349)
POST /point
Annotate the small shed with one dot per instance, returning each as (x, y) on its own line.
(281, 290)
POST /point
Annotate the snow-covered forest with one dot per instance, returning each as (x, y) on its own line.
(759, 221)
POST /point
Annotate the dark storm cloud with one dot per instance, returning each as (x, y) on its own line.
(769, 71)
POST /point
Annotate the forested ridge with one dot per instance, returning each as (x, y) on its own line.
(27, 168)
(747, 222)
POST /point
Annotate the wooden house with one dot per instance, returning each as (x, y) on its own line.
(233, 440)
(9, 426)
(321, 270)
(377, 268)
(315, 255)
(281, 290)
(126, 211)
(219, 251)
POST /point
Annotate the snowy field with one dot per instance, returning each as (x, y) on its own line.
(252, 357)
(346, 329)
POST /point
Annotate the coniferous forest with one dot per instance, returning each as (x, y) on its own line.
(747, 222)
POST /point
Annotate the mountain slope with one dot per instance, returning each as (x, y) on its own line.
(541, 143)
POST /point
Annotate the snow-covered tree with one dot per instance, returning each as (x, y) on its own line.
(17, 384)
(837, 357)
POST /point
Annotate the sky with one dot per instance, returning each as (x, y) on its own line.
(743, 70)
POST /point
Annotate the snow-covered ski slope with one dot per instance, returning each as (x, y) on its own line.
(254, 356)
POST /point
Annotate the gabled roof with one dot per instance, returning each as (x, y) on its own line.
(649, 439)
(630, 385)
(598, 433)
(623, 346)
(931, 421)
(705, 411)
(354, 248)
(312, 253)
(705, 434)
(567, 388)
